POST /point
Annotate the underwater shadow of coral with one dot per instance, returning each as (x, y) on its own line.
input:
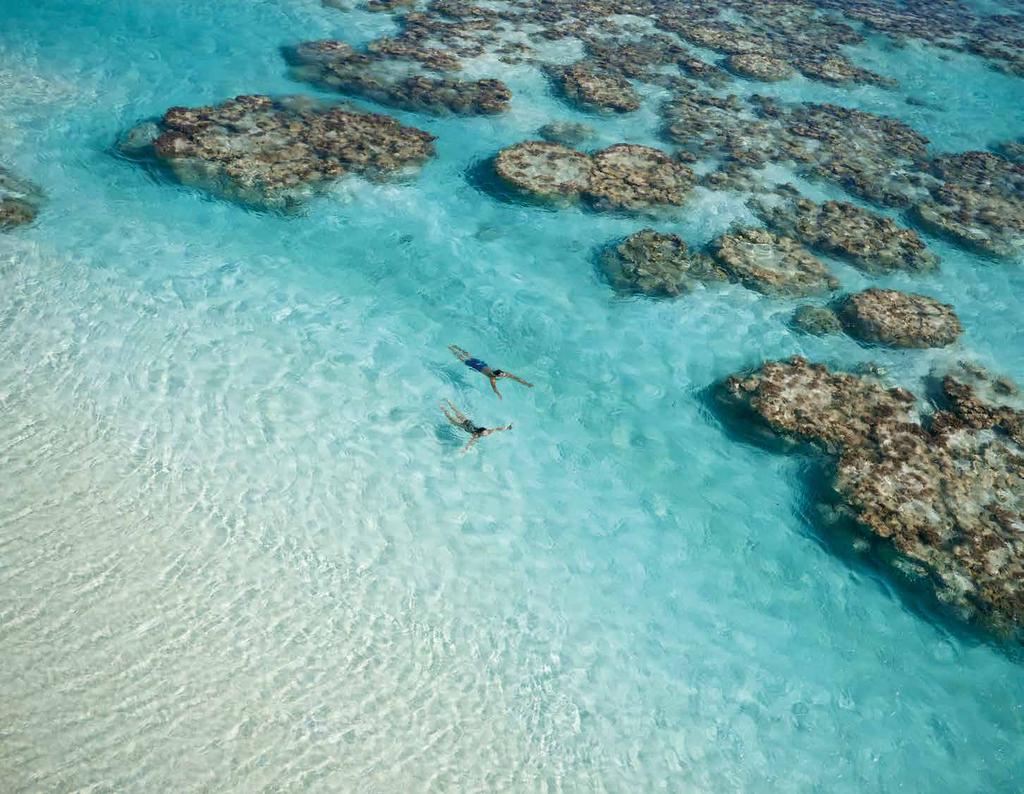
(840, 534)
(482, 176)
(598, 260)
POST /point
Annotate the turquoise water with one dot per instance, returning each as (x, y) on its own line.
(239, 550)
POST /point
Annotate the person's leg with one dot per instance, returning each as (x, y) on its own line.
(458, 414)
(449, 417)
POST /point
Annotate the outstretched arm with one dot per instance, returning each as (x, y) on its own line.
(516, 378)
(494, 385)
(458, 352)
(477, 436)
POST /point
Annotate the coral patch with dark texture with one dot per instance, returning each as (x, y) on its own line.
(944, 495)
(19, 200)
(546, 170)
(772, 264)
(999, 38)
(979, 203)
(760, 67)
(392, 72)
(388, 5)
(899, 319)
(701, 118)
(838, 69)
(592, 89)
(816, 320)
(1011, 150)
(617, 36)
(981, 400)
(621, 177)
(871, 242)
(273, 153)
(626, 44)
(872, 156)
(782, 32)
(630, 177)
(569, 133)
(659, 265)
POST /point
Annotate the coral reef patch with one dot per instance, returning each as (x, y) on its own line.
(943, 494)
(658, 265)
(19, 200)
(591, 89)
(899, 319)
(620, 177)
(772, 264)
(816, 320)
(979, 202)
(395, 73)
(273, 153)
(871, 242)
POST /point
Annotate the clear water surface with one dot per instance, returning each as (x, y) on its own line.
(239, 551)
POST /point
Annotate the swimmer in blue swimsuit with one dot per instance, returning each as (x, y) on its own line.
(481, 366)
(463, 422)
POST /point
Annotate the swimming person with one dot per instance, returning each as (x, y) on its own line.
(481, 366)
(463, 422)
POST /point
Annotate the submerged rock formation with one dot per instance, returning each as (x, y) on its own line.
(772, 264)
(616, 48)
(619, 35)
(393, 73)
(568, 133)
(658, 265)
(816, 320)
(899, 319)
(974, 198)
(631, 177)
(780, 32)
(871, 242)
(979, 203)
(382, 5)
(838, 69)
(943, 494)
(624, 176)
(592, 89)
(954, 26)
(760, 67)
(872, 156)
(19, 200)
(274, 153)
(546, 170)
(1011, 150)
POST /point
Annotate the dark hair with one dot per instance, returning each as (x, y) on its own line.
(478, 429)
(498, 372)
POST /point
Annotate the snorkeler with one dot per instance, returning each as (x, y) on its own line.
(481, 366)
(463, 422)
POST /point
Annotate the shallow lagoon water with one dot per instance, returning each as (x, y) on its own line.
(241, 552)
